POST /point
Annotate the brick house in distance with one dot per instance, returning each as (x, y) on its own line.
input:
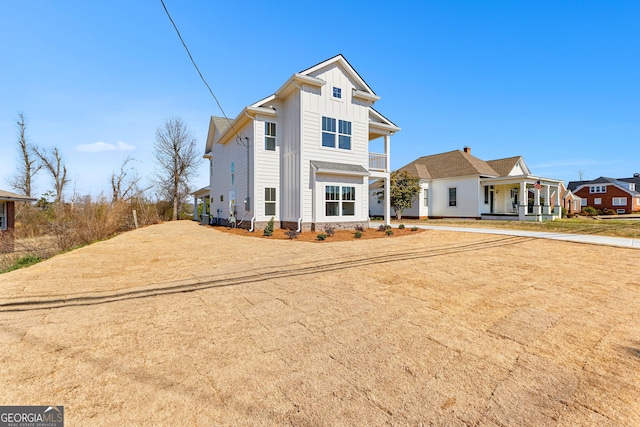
(7, 218)
(620, 195)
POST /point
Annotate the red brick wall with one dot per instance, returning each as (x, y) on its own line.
(607, 198)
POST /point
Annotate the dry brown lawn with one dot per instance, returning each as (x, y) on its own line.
(178, 324)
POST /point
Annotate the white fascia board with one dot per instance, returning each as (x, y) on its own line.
(382, 128)
(365, 96)
(265, 111)
(234, 126)
(296, 81)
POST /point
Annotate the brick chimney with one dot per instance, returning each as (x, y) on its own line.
(467, 150)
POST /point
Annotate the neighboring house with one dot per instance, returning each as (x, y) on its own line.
(456, 184)
(300, 156)
(7, 218)
(621, 195)
(570, 202)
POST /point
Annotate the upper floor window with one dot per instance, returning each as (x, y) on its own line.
(269, 136)
(598, 189)
(330, 132)
(632, 187)
(337, 92)
(453, 196)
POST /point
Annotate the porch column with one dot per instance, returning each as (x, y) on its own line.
(547, 203)
(387, 152)
(387, 201)
(195, 208)
(522, 203)
(537, 209)
(387, 180)
(556, 208)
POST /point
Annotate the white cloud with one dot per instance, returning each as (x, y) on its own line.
(97, 147)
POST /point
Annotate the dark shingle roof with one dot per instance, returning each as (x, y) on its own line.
(8, 195)
(449, 164)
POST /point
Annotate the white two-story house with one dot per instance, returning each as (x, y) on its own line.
(301, 156)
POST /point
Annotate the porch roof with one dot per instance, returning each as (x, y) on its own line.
(7, 196)
(528, 179)
(338, 168)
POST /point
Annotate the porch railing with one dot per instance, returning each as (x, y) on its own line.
(377, 161)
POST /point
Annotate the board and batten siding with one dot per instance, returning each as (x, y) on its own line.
(290, 160)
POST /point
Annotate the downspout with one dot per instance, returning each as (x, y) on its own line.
(301, 157)
(248, 172)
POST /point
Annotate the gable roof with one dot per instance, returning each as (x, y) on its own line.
(448, 165)
(504, 166)
(8, 196)
(339, 59)
(623, 185)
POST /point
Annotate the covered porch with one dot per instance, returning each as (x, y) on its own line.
(521, 198)
(201, 197)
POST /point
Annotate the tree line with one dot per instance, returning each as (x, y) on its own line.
(175, 155)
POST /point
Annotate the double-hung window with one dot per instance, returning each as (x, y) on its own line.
(344, 135)
(269, 201)
(340, 201)
(453, 196)
(269, 136)
(597, 201)
(3, 216)
(619, 201)
(426, 197)
(330, 132)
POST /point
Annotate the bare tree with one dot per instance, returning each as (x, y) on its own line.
(29, 166)
(52, 161)
(176, 158)
(580, 174)
(125, 183)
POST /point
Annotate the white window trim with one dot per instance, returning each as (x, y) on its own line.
(268, 136)
(340, 201)
(617, 199)
(3, 215)
(270, 202)
(597, 201)
(455, 201)
(336, 134)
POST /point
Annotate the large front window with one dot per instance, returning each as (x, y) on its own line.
(330, 133)
(619, 201)
(340, 201)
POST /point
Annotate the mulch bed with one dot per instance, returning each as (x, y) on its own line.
(312, 236)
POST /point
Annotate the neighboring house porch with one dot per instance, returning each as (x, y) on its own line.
(7, 218)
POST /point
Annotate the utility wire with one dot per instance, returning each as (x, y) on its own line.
(198, 70)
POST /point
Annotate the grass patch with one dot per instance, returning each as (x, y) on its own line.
(23, 262)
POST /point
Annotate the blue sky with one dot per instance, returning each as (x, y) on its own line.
(554, 81)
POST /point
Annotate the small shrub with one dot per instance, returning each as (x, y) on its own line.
(382, 228)
(589, 210)
(292, 234)
(321, 236)
(268, 230)
(357, 234)
(329, 231)
(389, 232)
(360, 228)
(414, 228)
(401, 227)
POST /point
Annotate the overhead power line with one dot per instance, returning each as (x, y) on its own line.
(198, 69)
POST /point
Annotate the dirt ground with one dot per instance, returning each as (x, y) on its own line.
(179, 324)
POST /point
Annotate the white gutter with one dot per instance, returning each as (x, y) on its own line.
(253, 220)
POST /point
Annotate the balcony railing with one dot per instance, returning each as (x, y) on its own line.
(377, 161)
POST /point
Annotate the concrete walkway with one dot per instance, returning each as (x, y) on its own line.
(623, 242)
